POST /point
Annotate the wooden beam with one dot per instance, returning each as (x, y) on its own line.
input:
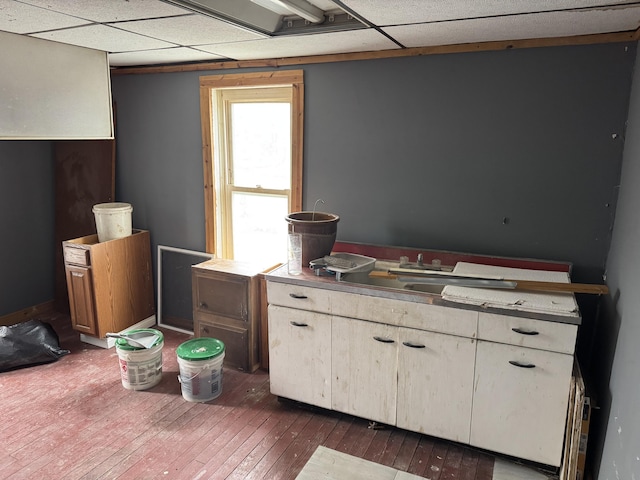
(629, 36)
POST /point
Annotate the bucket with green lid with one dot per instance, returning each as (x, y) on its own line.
(140, 368)
(200, 360)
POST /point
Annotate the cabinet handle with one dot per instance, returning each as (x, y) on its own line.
(298, 324)
(521, 365)
(525, 332)
(383, 340)
(413, 345)
(203, 305)
(297, 295)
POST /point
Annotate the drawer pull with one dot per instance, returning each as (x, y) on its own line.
(203, 305)
(298, 324)
(525, 332)
(521, 365)
(297, 295)
(383, 340)
(413, 345)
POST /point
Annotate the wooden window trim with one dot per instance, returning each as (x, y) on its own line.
(293, 78)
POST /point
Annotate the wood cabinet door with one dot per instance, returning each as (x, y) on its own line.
(364, 369)
(435, 383)
(81, 301)
(300, 355)
(520, 401)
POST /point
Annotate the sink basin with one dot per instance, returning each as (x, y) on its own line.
(364, 279)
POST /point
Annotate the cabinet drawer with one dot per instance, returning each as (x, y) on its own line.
(236, 343)
(226, 295)
(401, 313)
(77, 256)
(527, 332)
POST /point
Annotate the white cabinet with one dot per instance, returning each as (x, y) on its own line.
(364, 369)
(495, 381)
(523, 376)
(435, 383)
(300, 355)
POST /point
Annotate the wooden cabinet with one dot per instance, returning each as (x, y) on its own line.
(110, 284)
(226, 306)
(495, 381)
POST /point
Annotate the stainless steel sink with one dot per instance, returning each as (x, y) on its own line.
(363, 278)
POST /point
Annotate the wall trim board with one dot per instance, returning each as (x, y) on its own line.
(618, 37)
(28, 313)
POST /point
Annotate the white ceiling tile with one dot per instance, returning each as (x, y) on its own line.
(539, 25)
(158, 57)
(101, 37)
(16, 17)
(318, 44)
(189, 30)
(421, 11)
(110, 10)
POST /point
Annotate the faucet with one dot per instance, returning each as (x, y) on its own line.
(420, 262)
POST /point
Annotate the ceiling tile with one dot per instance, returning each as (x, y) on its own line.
(101, 37)
(318, 44)
(189, 30)
(159, 57)
(539, 25)
(421, 11)
(110, 10)
(16, 17)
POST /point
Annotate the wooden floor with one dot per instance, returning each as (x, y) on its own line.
(72, 419)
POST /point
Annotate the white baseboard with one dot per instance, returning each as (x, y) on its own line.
(110, 342)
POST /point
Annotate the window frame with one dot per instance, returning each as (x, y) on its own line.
(208, 85)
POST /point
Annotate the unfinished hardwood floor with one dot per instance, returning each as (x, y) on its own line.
(72, 419)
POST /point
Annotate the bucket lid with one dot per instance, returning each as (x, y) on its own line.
(122, 344)
(201, 348)
(113, 207)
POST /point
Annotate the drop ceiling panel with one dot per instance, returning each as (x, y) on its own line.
(16, 17)
(318, 44)
(159, 57)
(101, 37)
(421, 11)
(540, 25)
(110, 10)
(189, 30)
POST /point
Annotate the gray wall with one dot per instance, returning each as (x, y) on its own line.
(617, 359)
(26, 225)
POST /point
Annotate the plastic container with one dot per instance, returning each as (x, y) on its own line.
(140, 368)
(200, 361)
(113, 220)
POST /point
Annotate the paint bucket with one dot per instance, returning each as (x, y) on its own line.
(113, 220)
(140, 368)
(200, 360)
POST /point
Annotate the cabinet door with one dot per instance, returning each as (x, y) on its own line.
(235, 339)
(81, 302)
(435, 383)
(222, 294)
(300, 355)
(364, 368)
(520, 401)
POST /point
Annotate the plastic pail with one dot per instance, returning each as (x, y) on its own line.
(200, 361)
(140, 368)
(113, 220)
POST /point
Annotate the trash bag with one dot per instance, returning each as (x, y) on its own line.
(28, 343)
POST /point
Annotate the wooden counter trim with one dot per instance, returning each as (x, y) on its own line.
(629, 36)
(28, 313)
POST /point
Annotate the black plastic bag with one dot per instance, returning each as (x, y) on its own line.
(28, 343)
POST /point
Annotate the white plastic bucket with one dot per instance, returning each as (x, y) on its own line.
(140, 368)
(113, 220)
(200, 361)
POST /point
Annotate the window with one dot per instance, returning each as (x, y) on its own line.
(252, 151)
